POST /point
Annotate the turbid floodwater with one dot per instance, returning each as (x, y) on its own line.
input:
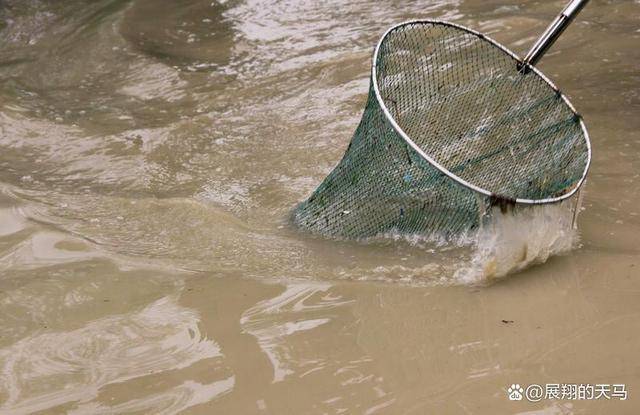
(151, 153)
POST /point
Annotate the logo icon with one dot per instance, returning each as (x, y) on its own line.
(514, 392)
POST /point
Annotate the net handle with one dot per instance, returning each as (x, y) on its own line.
(552, 33)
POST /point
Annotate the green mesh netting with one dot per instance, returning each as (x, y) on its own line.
(499, 136)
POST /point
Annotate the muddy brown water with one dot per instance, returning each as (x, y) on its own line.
(150, 153)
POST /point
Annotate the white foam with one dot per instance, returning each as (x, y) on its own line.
(512, 241)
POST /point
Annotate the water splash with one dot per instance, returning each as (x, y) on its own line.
(505, 243)
(512, 241)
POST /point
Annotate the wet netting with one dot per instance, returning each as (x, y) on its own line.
(452, 126)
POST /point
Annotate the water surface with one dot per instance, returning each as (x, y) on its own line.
(150, 154)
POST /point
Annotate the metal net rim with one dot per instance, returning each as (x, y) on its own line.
(440, 167)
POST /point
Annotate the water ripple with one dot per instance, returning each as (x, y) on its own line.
(49, 369)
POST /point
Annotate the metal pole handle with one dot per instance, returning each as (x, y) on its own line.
(552, 33)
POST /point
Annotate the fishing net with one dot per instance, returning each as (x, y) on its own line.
(452, 127)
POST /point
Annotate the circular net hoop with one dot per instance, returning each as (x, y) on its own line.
(451, 127)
